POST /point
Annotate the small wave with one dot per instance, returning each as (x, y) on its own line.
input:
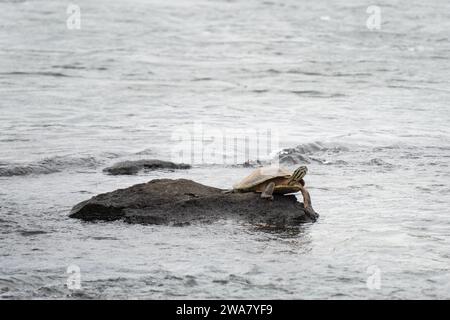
(110, 155)
(299, 159)
(306, 153)
(306, 73)
(439, 57)
(387, 148)
(335, 163)
(260, 90)
(357, 74)
(335, 74)
(62, 161)
(25, 170)
(317, 94)
(77, 67)
(69, 66)
(273, 71)
(425, 189)
(14, 140)
(378, 162)
(27, 233)
(250, 164)
(365, 186)
(202, 79)
(47, 166)
(104, 238)
(6, 221)
(38, 73)
(314, 147)
(291, 159)
(145, 152)
(308, 92)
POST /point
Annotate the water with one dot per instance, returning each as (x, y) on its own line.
(375, 102)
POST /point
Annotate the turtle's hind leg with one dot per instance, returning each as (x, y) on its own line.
(268, 191)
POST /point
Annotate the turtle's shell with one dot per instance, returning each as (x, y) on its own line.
(261, 175)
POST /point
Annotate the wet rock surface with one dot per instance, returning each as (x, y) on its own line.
(182, 201)
(134, 166)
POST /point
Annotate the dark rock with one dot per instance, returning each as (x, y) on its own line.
(133, 167)
(179, 202)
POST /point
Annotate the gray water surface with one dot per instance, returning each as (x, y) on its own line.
(75, 101)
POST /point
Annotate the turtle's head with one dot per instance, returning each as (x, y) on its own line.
(298, 175)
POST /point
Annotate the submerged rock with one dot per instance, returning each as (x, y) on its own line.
(181, 201)
(134, 166)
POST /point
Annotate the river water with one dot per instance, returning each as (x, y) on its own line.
(365, 108)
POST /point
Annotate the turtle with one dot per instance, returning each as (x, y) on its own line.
(276, 180)
(272, 180)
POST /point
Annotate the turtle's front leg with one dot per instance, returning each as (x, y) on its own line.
(268, 191)
(307, 203)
